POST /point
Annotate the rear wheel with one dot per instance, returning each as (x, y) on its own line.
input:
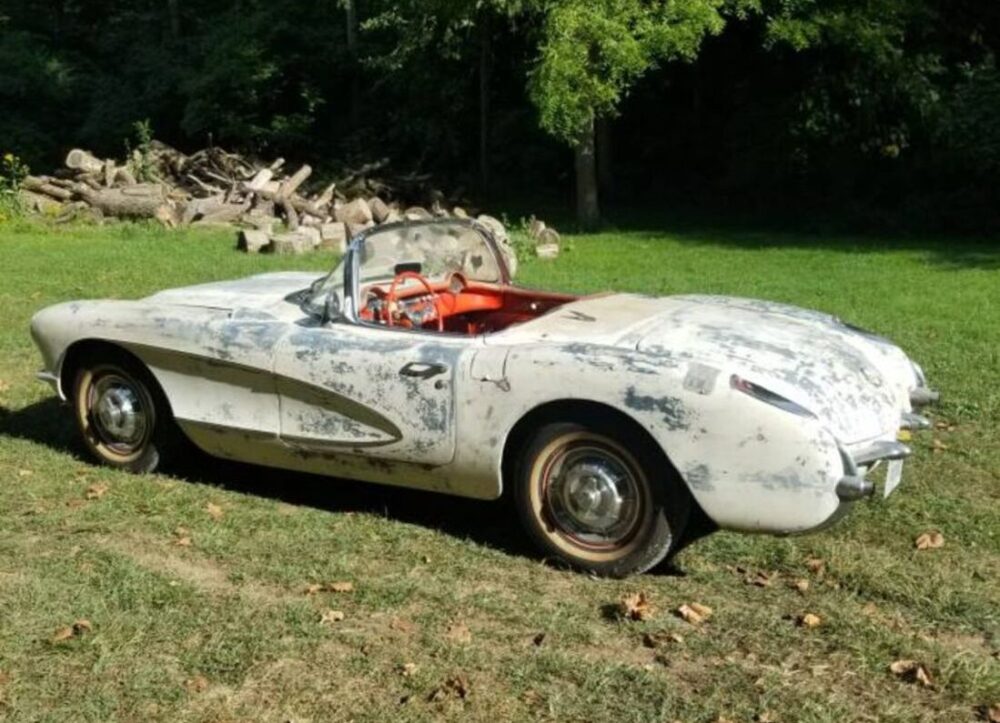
(120, 413)
(599, 499)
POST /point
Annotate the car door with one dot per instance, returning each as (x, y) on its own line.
(370, 391)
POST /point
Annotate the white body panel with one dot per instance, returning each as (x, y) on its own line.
(250, 376)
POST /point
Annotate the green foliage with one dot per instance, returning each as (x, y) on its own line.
(140, 161)
(592, 51)
(12, 172)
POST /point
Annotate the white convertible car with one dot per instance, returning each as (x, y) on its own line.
(612, 418)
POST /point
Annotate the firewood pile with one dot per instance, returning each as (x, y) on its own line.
(272, 207)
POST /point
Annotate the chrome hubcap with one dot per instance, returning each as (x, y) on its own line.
(593, 495)
(118, 411)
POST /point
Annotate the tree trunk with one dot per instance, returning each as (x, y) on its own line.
(174, 13)
(587, 210)
(351, 19)
(485, 63)
(605, 176)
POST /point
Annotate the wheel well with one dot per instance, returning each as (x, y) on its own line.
(571, 410)
(568, 410)
(79, 351)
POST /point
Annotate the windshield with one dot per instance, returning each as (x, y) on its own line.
(435, 249)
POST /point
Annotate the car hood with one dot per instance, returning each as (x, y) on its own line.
(855, 383)
(254, 292)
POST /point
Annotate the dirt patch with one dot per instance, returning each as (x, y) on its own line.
(202, 574)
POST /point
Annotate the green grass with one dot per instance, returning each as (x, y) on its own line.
(223, 630)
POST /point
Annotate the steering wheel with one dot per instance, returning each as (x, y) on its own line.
(391, 301)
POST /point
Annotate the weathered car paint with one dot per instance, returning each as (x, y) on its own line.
(250, 376)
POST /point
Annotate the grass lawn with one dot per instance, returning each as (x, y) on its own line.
(197, 588)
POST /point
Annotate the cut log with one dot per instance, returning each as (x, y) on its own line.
(353, 229)
(378, 208)
(494, 227)
(223, 214)
(292, 183)
(47, 187)
(417, 213)
(261, 179)
(333, 236)
(124, 177)
(85, 161)
(294, 242)
(356, 212)
(547, 251)
(39, 203)
(547, 236)
(252, 241)
(535, 227)
(459, 212)
(141, 201)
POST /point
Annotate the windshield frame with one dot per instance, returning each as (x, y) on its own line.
(352, 260)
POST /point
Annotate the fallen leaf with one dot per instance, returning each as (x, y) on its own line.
(407, 669)
(182, 541)
(77, 629)
(945, 425)
(96, 491)
(938, 446)
(761, 579)
(197, 684)
(331, 616)
(912, 672)
(801, 586)
(214, 511)
(694, 613)
(455, 687)
(766, 717)
(24, 473)
(342, 586)
(61, 634)
(426, 559)
(930, 540)
(530, 697)
(991, 714)
(459, 633)
(636, 606)
(403, 626)
(660, 638)
(815, 565)
(312, 588)
(904, 435)
(538, 639)
(809, 620)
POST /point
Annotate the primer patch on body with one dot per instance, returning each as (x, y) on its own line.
(700, 378)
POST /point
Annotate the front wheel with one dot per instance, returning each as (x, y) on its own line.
(115, 405)
(599, 499)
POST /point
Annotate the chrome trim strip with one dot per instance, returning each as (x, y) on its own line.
(922, 396)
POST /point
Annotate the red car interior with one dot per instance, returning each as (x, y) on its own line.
(455, 304)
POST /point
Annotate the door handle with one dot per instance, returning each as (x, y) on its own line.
(422, 370)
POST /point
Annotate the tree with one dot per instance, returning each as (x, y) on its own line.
(590, 55)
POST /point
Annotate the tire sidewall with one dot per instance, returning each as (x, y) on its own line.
(147, 456)
(663, 523)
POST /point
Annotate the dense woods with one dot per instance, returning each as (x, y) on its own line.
(884, 112)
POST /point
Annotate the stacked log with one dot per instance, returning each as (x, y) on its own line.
(274, 210)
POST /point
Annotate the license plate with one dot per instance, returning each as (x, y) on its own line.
(893, 475)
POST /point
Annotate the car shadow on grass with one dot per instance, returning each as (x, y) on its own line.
(492, 524)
